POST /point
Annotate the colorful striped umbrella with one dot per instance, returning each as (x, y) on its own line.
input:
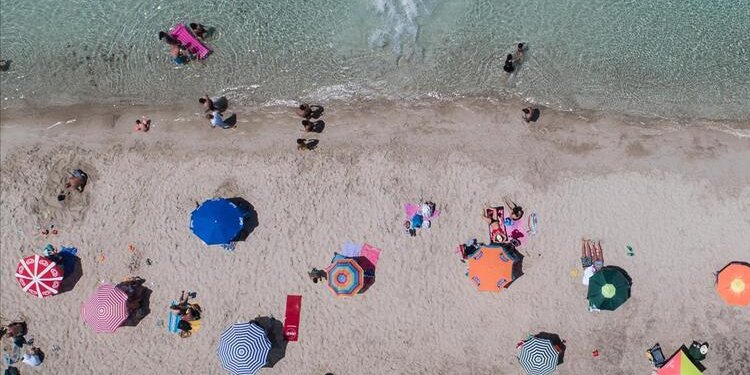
(733, 284)
(490, 269)
(217, 221)
(345, 277)
(39, 276)
(105, 309)
(609, 288)
(243, 348)
(680, 364)
(538, 356)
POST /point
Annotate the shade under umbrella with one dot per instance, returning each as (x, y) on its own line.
(217, 221)
(39, 276)
(243, 348)
(609, 288)
(538, 356)
(105, 309)
(345, 277)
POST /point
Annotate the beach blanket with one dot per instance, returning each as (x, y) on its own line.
(291, 318)
(173, 319)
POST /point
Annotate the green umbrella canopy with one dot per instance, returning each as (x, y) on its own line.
(609, 288)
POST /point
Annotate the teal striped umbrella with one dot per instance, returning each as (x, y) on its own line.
(609, 288)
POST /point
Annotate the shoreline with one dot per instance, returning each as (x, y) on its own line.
(679, 194)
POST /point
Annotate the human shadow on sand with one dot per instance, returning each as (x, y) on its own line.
(250, 218)
(275, 332)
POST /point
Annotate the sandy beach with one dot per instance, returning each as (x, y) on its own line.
(678, 192)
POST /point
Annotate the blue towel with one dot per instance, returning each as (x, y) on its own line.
(174, 320)
(68, 255)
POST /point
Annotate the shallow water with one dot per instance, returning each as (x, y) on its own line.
(665, 58)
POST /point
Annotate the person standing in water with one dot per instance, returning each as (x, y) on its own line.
(508, 67)
(518, 55)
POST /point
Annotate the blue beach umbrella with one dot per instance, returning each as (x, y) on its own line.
(243, 349)
(217, 221)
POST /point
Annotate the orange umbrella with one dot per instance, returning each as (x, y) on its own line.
(733, 284)
(491, 268)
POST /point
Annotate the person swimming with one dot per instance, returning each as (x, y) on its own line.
(508, 67)
(199, 30)
(172, 41)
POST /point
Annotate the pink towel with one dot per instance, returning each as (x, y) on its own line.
(189, 41)
(413, 209)
(371, 253)
(519, 230)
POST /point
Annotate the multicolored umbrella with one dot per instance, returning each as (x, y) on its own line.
(217, 221)
(609, 288)
(39, 276)
(491, 269)
(733, 284)
(345, 277)
(105, 309)
(538, 356)
(243, 348)
(680, 364)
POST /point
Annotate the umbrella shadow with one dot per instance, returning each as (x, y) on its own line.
(275, 332)
(556, 341)
(72, 271)
(249, 219)
(139, 301)
(369, 269)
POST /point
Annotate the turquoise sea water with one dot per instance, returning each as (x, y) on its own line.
(687, 58)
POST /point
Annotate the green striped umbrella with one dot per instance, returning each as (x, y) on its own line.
(609, 288)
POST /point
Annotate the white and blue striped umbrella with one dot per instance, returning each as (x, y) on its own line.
(243, 348)
(538, 356)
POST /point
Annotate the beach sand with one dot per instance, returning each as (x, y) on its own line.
(678, 192)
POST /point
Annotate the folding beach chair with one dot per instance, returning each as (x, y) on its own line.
(657, 356)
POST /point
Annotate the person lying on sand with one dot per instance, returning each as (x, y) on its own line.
(591, 254)
(143, 125)
(497, 230)
(516, 211)
(77, 180)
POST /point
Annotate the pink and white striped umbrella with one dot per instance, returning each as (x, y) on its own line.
(39, 276)
(105, 309)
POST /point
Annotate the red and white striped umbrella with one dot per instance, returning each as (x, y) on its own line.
(105, 309)
(39, 276)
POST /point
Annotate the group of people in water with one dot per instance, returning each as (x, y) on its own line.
(180, 53)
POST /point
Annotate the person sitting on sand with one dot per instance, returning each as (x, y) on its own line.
(77, 180)
(508, 67)
(216, 120)
(307, 111)
(497, 230)
(316, 274)
(306, 144)
(199, 30)
(528, 114)
(207, 103)
(143, 125)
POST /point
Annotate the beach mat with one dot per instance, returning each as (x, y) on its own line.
(291, 318)
(173, 319)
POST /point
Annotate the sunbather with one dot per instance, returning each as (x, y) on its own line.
(587, 259)
(493, 219)
(591, 254)
(516, 211)
(598, 254)
(77, 180)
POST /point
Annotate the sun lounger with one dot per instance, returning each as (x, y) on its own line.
(291, 319)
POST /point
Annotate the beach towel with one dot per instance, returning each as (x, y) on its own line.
(413, 209)
(518, 230)
(351, 249)
(291, 318)
(371, 253)
(173, 319)
(189, 41)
